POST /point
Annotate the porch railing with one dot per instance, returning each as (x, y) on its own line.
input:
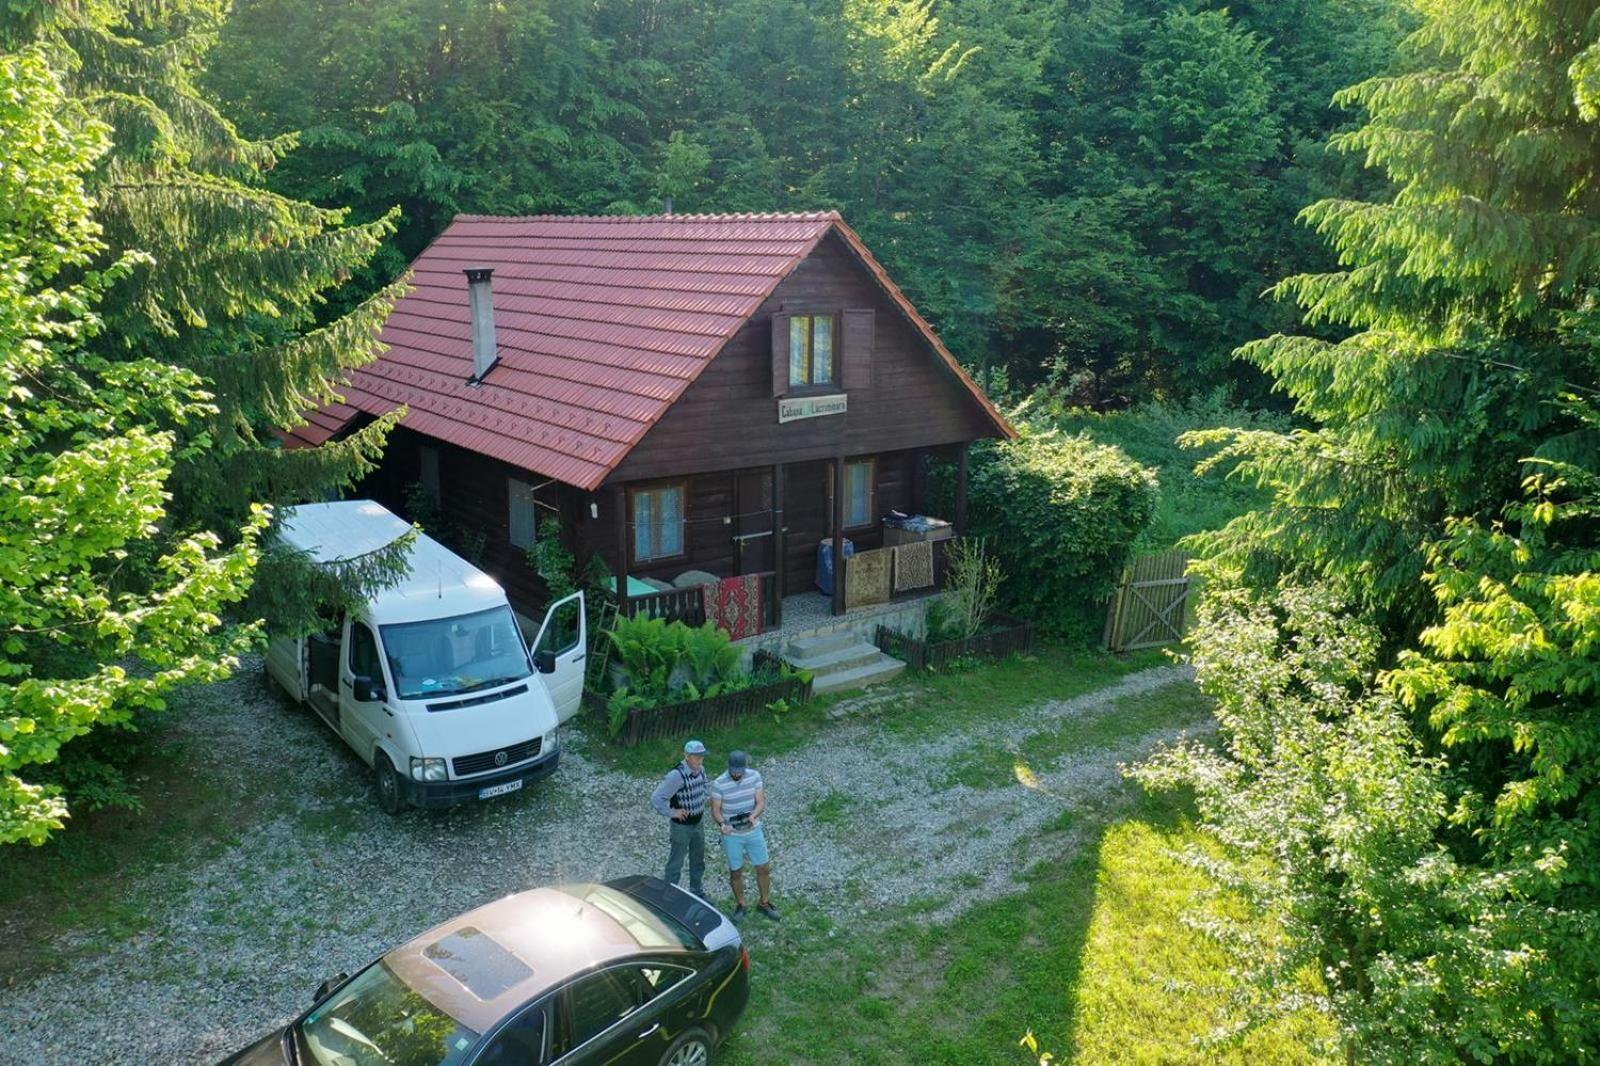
(674, 605)
(688, 605)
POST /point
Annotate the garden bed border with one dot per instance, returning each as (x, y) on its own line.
(690, 716)
(1015, 637)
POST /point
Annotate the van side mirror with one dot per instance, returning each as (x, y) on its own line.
(544, 661)
(329, 985)
(366, 689)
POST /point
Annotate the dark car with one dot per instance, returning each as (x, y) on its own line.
(631, 971)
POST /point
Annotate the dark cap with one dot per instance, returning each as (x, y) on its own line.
(737, 761)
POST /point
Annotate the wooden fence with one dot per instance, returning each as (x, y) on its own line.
(688, 717)
(1151, 604)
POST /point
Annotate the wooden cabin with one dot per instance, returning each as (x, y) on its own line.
(684, 393)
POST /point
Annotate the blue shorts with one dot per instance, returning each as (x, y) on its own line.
(750, 845)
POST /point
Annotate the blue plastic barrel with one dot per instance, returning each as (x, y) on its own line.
(825, 563)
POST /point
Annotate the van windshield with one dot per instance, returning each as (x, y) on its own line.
(448, 655)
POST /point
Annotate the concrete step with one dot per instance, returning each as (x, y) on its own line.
(837, 661)
(822, 644)
(859, 677)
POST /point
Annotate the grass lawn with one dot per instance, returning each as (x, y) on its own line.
(993, 693)
(1092, 957)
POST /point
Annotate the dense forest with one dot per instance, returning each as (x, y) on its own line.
(1091, 193)
(205, 211)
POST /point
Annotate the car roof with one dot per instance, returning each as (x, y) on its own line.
(438, 582)
(486, 963)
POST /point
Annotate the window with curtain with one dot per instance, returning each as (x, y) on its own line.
(522, 519)
(811, 351)
(657, 522)
(860, 487)
(858, 493)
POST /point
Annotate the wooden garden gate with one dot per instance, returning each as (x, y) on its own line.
(1151, 604)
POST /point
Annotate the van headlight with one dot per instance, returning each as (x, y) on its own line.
(428, 769)
(550, 742)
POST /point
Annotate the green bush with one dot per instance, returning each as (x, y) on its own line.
(1060, 513)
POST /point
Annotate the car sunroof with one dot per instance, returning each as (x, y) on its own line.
(482, 965)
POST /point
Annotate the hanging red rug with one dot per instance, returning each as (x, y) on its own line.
(738, 605)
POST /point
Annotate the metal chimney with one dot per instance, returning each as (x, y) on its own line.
(485, 353)
(666, 206)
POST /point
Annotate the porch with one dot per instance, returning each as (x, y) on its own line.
(777, 620)
(776, 545)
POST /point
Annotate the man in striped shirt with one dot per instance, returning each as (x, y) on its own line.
(737, 803)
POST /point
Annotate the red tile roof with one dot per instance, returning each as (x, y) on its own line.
(601, 324)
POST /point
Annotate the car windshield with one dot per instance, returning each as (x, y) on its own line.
(446, 655)
(377, 1019)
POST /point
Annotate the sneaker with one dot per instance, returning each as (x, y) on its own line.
(768, 909)
(738, 912)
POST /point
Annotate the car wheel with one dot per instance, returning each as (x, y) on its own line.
(692, 1048)
(387, 784)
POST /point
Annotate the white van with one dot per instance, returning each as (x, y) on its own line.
(431, 682)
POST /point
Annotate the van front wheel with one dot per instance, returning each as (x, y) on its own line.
(387, 784)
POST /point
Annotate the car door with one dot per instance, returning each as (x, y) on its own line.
(361, 721)
(560, 650)
(528, 1039)
(604, 1020)
(627, 1014)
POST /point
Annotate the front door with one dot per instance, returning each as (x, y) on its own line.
(360, 720)
(752, 524)
(560, 650)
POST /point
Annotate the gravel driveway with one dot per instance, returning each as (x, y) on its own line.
(320, 881)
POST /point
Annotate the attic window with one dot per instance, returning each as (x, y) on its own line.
(812, 352)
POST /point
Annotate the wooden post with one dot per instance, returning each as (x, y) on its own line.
(961, 491)
(777, 545)
(919, 481)
(838, 535)
(620, 502)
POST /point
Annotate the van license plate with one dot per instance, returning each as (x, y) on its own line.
(499, 790)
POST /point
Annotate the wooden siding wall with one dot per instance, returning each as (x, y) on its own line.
(710, 540)
(472, 495)
(729, 417)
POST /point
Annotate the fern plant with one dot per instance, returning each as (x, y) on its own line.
(710, 655)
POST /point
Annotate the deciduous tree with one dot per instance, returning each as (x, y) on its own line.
(87, 447)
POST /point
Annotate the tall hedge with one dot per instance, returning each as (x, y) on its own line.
(1061, 512)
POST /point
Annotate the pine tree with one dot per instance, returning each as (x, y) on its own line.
(1426, 814)
(1453, 296)
(233, 278)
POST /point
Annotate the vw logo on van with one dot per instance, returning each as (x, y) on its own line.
(500, 758)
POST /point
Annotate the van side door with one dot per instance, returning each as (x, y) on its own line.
(361, 720)
(559, 652)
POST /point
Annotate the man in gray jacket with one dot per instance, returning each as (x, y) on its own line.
(681, 797)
